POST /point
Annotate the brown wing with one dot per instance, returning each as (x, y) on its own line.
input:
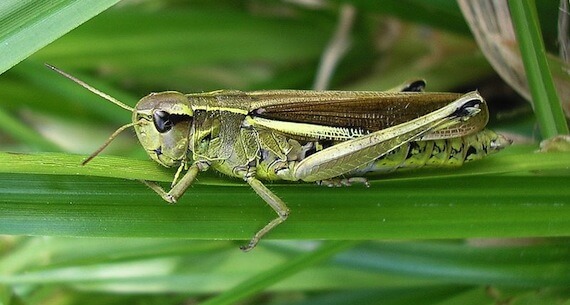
(369, 111)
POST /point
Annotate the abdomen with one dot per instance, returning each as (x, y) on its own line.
(437, 153)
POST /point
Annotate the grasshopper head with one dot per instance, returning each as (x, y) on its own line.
(165, 120)
(162, 122)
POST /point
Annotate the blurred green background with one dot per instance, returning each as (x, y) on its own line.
(491, 232)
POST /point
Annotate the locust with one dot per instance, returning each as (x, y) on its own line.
(329, 137)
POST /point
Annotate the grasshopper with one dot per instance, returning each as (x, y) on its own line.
(330, 137)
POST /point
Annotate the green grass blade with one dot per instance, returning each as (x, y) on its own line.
(262, 281)
(45, 21)
(521, 265)
(519, 160)
(41, 194)
(545, 100)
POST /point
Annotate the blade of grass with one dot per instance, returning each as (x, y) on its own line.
(450, 207)
(519, 160)
(45, 21)
(261, 281)
(515, 266)
(397, 206)
(545, 100)
(67, 164)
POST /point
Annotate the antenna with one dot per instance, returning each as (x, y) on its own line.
(109, 140)
(105, 96)
(90, 88)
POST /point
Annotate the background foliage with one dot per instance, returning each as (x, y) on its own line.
(445, 231)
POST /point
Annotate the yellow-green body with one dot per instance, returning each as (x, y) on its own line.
(227, 133)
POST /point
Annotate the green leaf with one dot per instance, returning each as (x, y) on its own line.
(44, 21)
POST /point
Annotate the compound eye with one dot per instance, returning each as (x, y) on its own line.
(162, 121)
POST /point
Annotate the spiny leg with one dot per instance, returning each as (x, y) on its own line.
(274, 202)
